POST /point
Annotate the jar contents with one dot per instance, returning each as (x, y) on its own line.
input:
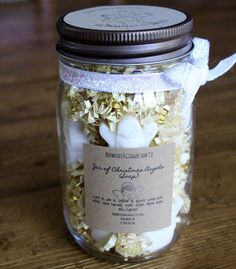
(124, 120)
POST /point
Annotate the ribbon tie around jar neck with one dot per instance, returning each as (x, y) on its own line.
(188, 75)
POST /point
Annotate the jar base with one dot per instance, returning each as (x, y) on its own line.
(114, 257)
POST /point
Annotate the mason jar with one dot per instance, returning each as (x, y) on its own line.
(125, 128)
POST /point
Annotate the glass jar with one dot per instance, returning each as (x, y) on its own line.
(125, 129)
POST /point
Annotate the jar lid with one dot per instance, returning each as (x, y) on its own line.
(125, 32)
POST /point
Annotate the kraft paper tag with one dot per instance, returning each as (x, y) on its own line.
(128, 190)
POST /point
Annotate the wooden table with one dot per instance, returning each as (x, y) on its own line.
(32, 230)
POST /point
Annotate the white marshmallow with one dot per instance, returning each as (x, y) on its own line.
(74, 139)
(98, 235)
(129, 134)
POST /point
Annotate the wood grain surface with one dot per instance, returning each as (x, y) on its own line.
(32, 230)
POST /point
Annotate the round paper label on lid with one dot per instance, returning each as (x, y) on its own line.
(125, 18)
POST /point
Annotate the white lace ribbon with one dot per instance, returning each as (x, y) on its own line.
(190, 75)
